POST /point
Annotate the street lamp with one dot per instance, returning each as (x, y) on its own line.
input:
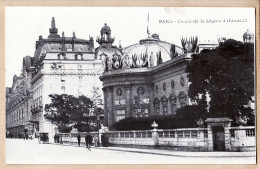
(98, 119)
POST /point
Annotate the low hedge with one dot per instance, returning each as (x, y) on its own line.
(185, 117)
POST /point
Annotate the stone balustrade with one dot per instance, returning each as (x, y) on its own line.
(191, 139)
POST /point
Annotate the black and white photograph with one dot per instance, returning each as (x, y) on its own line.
(130, 85)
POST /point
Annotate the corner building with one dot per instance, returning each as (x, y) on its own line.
(63, 65)
(60, 65)
(144, 79)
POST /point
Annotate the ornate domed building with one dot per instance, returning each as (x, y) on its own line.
(143, 79)
(248, 37)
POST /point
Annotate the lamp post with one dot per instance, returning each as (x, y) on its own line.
(98, 119)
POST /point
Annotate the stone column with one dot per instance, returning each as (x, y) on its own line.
(151, 98)
(110, 106)
(128, 100)
(210, 138)
(105, 107)
(227, 137)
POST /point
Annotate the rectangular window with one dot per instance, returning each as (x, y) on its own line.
(63, 90)
(174, 108)
(79, 67)
(157, 110)
(120, 114)
(165, 110)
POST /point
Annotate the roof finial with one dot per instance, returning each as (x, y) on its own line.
(74, 35)
(53, 30)
(148, 32)
(53, 23)
(120, 44)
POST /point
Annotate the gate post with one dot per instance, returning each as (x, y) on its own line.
(227, 136)
(210, 138)
(155, 135)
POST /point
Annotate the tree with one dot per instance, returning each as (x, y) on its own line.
(97, 108)
(96, 98)
(66, 111)
(227, 75)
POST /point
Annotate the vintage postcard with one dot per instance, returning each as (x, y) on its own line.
(130, 85)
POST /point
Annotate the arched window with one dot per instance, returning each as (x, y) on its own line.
(183, 99)
(173, 99)
(156, 103)
(164, 101)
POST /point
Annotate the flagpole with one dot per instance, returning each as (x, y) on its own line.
(148, 32)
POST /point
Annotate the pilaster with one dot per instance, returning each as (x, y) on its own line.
(151, 106)
(128, 100)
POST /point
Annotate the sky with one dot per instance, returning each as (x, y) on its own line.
(24, 25)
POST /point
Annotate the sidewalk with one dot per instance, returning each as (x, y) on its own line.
(175, 153)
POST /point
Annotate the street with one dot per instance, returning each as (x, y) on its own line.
(19, 151)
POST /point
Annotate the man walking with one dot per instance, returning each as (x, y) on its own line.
(88, 140)
(79, 138)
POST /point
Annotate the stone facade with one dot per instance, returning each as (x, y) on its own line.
(61, 65)
(19, 101)
(150, 79)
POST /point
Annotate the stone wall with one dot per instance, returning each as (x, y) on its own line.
(187, 139)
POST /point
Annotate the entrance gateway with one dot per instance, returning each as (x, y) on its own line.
(218, 134)
(218, 138)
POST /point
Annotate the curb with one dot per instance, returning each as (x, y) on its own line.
(175, 155)
(158, 153)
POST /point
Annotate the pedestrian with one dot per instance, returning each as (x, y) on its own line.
(88, 140)
(102, 140)
(79, 138)
(96, 140)
(55, 138)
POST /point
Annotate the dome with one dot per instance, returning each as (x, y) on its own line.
(155, 36)
(148, 53)
(248, 33)
(248, 37)
(105, 29)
